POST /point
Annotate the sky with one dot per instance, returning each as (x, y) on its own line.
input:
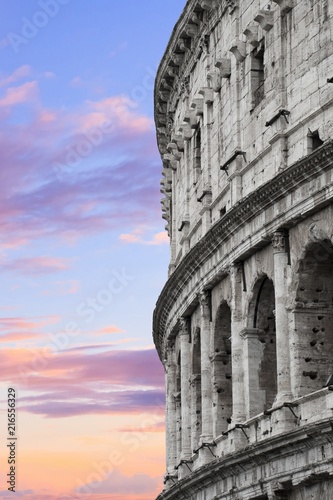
(83, 250)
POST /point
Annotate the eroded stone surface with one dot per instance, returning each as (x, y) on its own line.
(244, 324)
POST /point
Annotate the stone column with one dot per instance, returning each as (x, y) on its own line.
(196, 411)
(281, 317)
(254, 397)
(238, 413)
(171, 424)
(185, 389)
(178, 425)
(206, 378)
(196, 390)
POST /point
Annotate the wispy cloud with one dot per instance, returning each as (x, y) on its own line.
(106, 156)
(117, 483)
(19, 95)
(18, 74)
(138, 236)
(36, 265)
(76, 382)
(109, 329)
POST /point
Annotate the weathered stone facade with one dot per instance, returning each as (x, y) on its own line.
(244, 324)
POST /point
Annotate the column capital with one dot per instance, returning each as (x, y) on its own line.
(235, 271)
(279, 241)
(204, 301)
(170, 355)
(183, 325)
(248, 333)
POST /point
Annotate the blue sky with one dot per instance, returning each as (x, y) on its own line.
(83, 251)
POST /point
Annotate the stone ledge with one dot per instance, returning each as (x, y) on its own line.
(255, 456)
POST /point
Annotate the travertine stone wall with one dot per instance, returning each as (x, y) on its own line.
(206, 87)
(244, 324)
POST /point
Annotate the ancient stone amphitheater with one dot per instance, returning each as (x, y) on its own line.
(244, 324)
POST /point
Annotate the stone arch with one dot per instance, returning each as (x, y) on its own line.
(313, 317)
(222, 369)
(196, 422)
(260, 338)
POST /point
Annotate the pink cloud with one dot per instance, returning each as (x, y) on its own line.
(24, 324)
(18, 74)
(76, 82)
(37, 265)
(155, 427)
(56, 188)
(109, 329)
(17, 336)
(76, 382)
(61, 288)
(46, 116)
(130, 238)
(116, 112)
(116, 483)
(136, 236)
(18, 95)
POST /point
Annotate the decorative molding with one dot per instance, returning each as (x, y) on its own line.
(183, 325)
(279, 242)
(204, 303)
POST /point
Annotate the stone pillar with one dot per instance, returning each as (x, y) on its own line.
(185, 389)
(196, 411)
(196, 390)
(254, 397)
(238, 413)
(178, 425)
(217, 378)
(281, 317)
(206, 379)
(171, 424)
(236, 438)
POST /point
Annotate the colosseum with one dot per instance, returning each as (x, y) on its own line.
(244, 324)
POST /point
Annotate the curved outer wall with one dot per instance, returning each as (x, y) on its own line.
(244, 324)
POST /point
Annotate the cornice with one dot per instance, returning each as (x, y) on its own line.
(186, 43)
(236, 218)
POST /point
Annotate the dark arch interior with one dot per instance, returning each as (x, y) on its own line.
(264, 321)
(222, 368)
(314, 316)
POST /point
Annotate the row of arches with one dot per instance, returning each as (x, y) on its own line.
(309, 345)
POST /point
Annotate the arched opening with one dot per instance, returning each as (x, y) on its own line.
(222, 370)
(196, 389)
(264, 320)
(313, 315)
(260, 349)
